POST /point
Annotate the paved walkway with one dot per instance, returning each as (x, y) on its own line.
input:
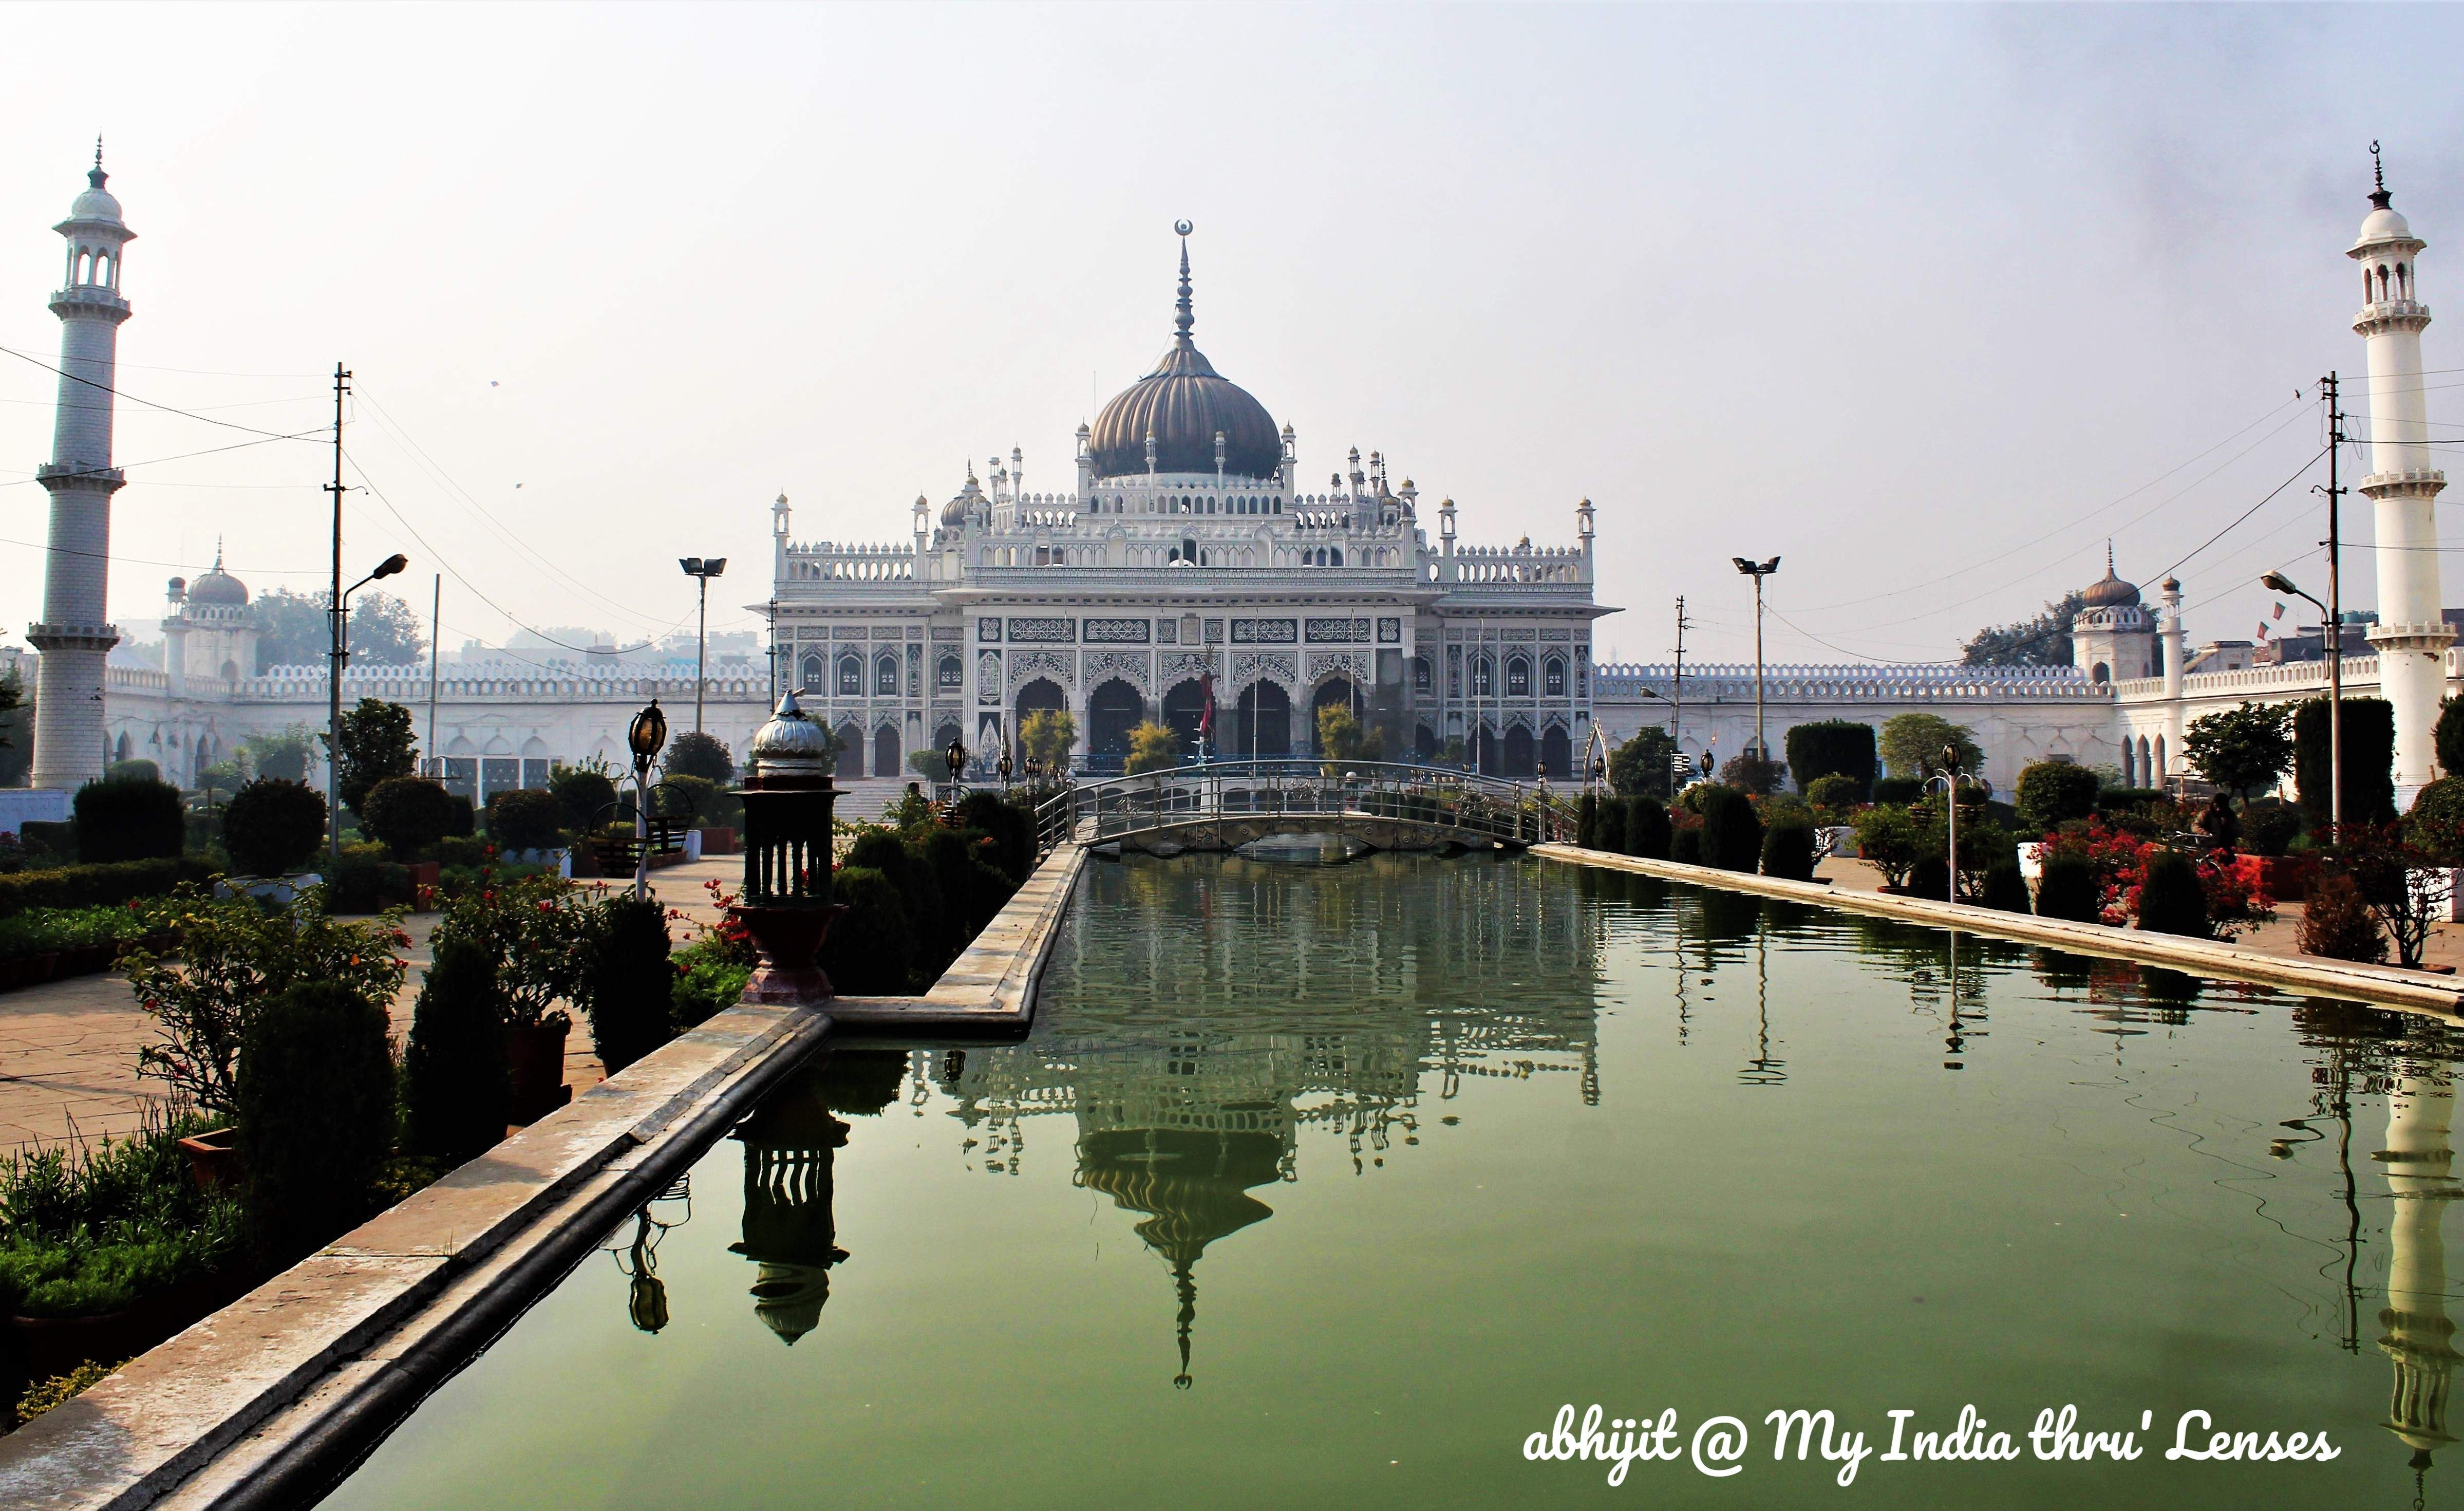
(68, 1049)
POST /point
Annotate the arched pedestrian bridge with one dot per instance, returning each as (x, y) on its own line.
(1378, 805)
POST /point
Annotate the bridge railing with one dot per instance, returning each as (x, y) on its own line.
(1482, 807)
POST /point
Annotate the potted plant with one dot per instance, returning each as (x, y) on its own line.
(534, 927)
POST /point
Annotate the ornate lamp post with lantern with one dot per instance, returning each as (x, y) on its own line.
(1949, 777)
(647, 735)
(786, 904)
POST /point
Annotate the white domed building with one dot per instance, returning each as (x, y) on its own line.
(1186, 560)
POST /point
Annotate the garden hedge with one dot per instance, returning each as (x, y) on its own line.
(129, 819)
(2053, 792)
(2369, 760)
(1732, 832)
(89, 886)
(1646, 828)
(1832, 747)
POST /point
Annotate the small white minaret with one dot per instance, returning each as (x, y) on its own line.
(74, 637)
(2411, 635)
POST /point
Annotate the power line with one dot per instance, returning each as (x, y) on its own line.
(148, 403)
(321, 430)
(2244, 515)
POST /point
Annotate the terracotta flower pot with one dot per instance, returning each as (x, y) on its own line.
(91, 958)
(52, 1345)
(536, 1057)
(41, 966)
(213, 1158)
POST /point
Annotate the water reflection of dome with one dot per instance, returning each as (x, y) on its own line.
(1193, 1187)
(789, 1230)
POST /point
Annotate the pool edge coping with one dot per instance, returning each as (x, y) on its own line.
(237, 1408)
(2381, 986)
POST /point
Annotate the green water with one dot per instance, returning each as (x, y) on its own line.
(1330, 1185)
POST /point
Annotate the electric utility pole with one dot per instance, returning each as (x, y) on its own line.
(435, 638)
(2329, 390)
(334, 622)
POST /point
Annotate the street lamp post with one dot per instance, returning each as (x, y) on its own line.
(1950, 776)
(648, 732)
(701, 570)
(338, 616)
(2335, 639)
(1758, 571)
(957, 757)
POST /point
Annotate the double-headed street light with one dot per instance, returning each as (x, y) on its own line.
(338, 618)
(1950, 776)
(701, 570)
(1758, 571)
(2334, 636)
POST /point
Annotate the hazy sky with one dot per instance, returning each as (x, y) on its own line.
(1927, 301)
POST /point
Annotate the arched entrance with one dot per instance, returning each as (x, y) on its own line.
(1424, 744)
(1262, 725)
(1041, 696)
(884, 752)
(1558, 755)
(947, 735)
(850, 761)
(1336, 692)
(1182, 708)
(1484, 756)
(1112, 711)
(1521, 763)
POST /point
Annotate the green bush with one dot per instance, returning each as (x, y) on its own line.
(1832, 747)
(461, 819)
(627, 984)
(132, 771)
(1646, 827)
(919, 893)
(2054, 792)
(1787, 849)
(2269, 828)
(2447, 736)
(523, 819)
(89, 1232)
(588, 795)
(1732, 832)
(1010, 824)
(1898, 791)
(2339, 924)
(1685, 845)
(47, 844)
(702, 757)
(364, 881)
(408, 814)
(2171, 898)
(2436, 822)
(89, 886)
(871, 946)
(1587, 821)
(711, 973)
(1929, 877)
(455, 1076)
(317, 1115)
(271, 828)
(957, 858)
(129, 820)
(2005, 889)
(1838, 791)
(2369, 760)
(2067, 888)
(1608, 830)
(990, 888)
(691, 798)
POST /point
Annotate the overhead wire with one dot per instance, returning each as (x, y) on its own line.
(168, 409)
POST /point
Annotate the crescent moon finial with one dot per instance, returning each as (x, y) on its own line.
(1184, 227)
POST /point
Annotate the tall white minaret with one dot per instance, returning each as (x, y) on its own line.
(2420, 1336)
(74, 637)
(2411, 635)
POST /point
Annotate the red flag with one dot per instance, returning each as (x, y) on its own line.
(1206, 712)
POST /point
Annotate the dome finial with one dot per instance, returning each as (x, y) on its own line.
(2109, 556)
(1184, 319)
(96, 175)
(2379, 196)
(218, 553)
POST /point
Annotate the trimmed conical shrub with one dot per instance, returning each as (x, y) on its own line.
(317, 1115)
(628, 985)
(1788, 850)
(2170, 898)
(1732, 832)
(454, 1078)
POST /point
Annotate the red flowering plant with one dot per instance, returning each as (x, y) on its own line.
(537, 928)
(2118, 858)
(236, 953)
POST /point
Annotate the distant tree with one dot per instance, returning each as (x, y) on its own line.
(1341, 737)
(1639, 767)
(1153, 748)
(17, 750)
(1049, 734)
(1750, 772)
(292, 630)
(2242, 750)
(1914, 741)
(586, 791)
(2042, 641)
(376, 745)
(693, 753)
(283, 754)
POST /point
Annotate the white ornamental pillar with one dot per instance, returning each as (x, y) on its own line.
(2172, 648)
(2411, 635)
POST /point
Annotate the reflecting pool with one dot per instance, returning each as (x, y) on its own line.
(1336, 1183)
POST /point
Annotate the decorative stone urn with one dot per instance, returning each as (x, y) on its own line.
(786, 904)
